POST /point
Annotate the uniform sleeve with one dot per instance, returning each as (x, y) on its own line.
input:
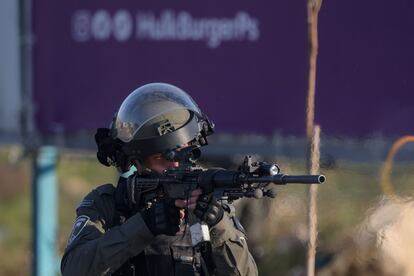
(92, 251)
(230, 252)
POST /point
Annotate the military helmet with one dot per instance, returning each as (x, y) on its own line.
(158, 117)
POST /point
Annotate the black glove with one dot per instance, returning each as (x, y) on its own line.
(209, 210)
(163, 218)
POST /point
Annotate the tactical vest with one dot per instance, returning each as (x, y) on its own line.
(166, 255)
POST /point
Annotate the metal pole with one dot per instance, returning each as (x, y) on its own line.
(45, 212)
(27, 127)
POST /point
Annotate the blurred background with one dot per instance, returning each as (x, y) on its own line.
(65, 67)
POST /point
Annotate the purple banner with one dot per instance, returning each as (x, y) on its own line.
(244, 62)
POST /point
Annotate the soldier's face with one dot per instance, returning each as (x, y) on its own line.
(158, 163)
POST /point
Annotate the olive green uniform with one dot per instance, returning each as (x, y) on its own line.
(106, 240)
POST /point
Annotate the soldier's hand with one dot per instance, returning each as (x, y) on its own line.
(163, 217)
(208, 209)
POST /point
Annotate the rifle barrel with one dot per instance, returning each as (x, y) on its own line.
(282, 179)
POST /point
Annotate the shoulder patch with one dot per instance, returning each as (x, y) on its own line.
(78, 226)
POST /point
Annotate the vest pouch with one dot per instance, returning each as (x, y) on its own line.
(185, 261)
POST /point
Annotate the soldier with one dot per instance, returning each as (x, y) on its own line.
(114, 235)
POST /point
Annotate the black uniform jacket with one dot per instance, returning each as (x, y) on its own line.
(105, 240)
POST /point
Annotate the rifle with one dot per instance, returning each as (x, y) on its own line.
(250, 180)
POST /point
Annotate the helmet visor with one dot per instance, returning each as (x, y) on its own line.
(165, 104)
